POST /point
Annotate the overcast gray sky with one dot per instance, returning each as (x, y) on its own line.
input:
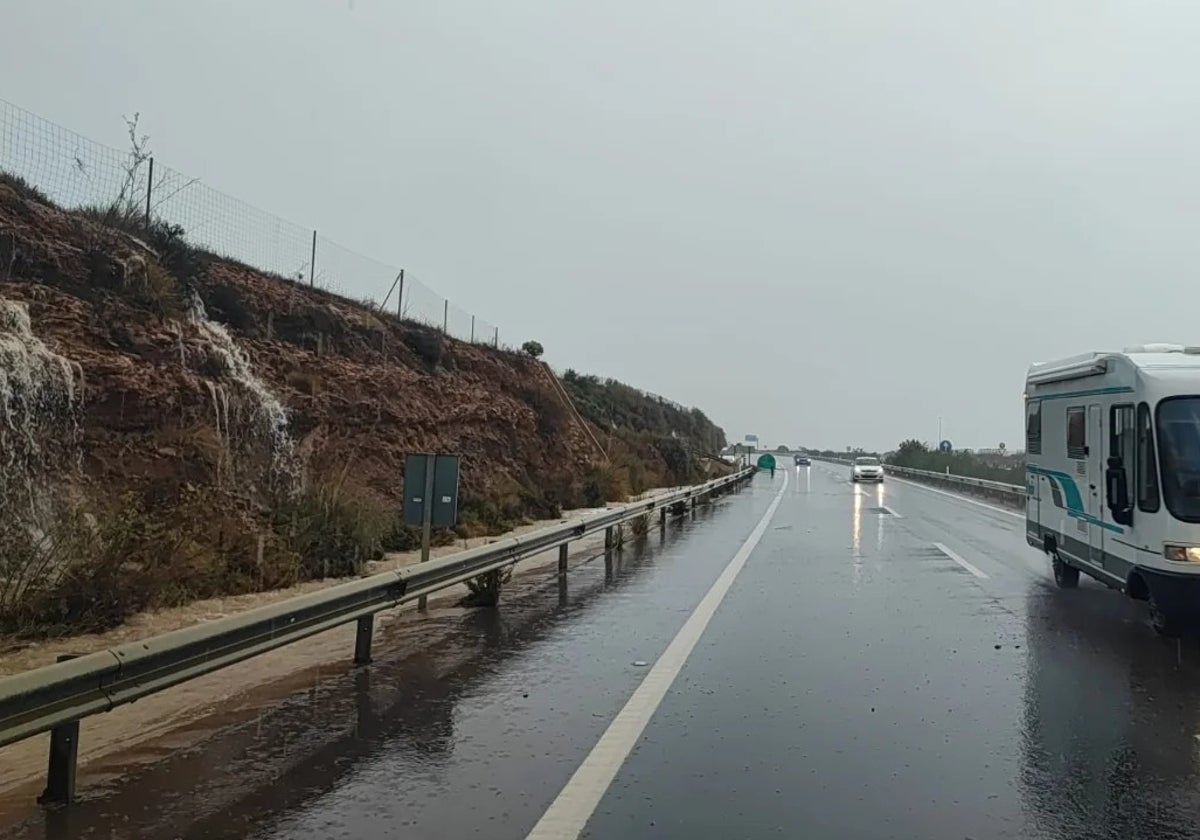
(824, 222)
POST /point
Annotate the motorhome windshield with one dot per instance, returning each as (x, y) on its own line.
(1179, 451)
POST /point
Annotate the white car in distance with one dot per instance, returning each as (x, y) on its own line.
(866, 469)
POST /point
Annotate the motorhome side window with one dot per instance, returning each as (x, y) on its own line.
(1147, 463)
(1033, 427)
(1076, 432)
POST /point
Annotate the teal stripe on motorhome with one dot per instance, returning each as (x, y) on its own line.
(1087, 517)
(1069, 487)
(1073, 498)
(1094, 392)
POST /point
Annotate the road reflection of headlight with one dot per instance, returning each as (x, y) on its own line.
(856, 536)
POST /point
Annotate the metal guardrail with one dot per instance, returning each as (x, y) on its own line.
(55, 697)
(1015, 491)
(1010, 491)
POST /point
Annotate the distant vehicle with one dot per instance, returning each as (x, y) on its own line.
(866, 469)
(1112, 481)
(802, 461)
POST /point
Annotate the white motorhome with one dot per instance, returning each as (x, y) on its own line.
(1113, 474)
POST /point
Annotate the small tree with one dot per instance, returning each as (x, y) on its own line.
(485, 589)
(533, 348)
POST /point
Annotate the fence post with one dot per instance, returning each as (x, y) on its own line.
(312, 263)
(400, 300)
(149, 191)
(472, 329)
(445, 316)
(496, 338)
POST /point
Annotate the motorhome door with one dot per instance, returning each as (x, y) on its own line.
(1093, 492)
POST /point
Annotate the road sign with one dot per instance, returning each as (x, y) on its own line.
(431, 486)
(945, 446)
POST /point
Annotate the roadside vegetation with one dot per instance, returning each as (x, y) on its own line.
(198, 512)
(651, 427)
(916, 455)
(78, 559)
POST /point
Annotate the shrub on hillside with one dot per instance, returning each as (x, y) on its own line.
(552, 416)
(624, 410)
(679, 466)
(605, 484)
(335, 530)
(428, 344)
(23, 188)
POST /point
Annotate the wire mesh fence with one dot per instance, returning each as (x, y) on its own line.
(79, 174)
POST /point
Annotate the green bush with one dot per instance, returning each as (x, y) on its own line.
(400, 537)
(428, 344)
(679, 466)
(915, 455)
(23, 188)
(640, 525)
(335, 531)
(484, 590)
(227, 305)
(619, 408)
(552, 416)
(604, 484)
(75, 572)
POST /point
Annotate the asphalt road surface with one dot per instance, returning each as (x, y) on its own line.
(807, 658)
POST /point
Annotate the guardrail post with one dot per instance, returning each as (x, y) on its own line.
(64, 755)
(362, 701)
(427, 523)
(662, 517)
(362, 640)
(562, 560)
(608, 539)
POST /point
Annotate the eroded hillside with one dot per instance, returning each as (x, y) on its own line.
(176, 425)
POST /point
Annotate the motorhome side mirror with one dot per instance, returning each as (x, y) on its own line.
(1117, 491)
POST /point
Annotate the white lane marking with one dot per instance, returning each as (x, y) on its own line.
(960, 498)
(568, 814)
(970, 568)
(892, 512)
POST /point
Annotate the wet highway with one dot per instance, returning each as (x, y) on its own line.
(887, 662)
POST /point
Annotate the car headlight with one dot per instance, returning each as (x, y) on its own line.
(1182, 553)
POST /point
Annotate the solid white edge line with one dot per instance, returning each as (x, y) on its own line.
(959, 497)
(570, 811)
(969, 567)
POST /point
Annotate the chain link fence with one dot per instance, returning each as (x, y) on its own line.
(79, 174)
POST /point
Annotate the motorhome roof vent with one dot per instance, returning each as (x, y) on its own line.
(1160, 347)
